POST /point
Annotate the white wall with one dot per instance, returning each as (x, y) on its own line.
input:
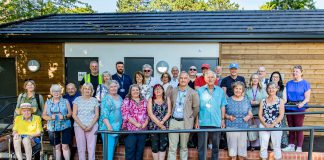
(110, 53)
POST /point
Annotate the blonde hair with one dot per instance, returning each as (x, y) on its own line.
(87, 85)
(105, 73)
(259, 83)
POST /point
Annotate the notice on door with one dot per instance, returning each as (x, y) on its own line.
(81, 75)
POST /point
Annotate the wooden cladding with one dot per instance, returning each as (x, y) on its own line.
(281, 57)
(49, 55)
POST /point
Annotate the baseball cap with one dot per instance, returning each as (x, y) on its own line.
(233, 65)
(205, 65)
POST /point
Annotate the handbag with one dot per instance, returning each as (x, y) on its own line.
(253, 135)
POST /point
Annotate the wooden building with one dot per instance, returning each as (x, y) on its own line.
(62, 44)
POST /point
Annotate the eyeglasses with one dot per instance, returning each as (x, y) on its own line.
(147, 70)
(192, 69)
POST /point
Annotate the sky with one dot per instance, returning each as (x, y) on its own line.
(110, 5)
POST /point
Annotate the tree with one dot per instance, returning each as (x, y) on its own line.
(174, 5)
(288, 5)
(132, 5)
(222, 5)
(13, 10)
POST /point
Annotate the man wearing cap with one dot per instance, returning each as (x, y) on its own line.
(234, 77)
(200, 81)
(27, 128)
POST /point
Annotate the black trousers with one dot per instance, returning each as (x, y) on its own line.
(202, 139)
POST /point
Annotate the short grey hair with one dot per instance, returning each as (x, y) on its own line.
(55, 87)
(110, 82)
(210, 72)
(147, 66)
(175, 68)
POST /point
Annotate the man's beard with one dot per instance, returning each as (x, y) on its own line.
(120, 71)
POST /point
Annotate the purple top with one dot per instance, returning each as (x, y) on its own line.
(296, 93)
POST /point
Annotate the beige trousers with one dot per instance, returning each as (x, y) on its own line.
(28, 146)
(174, 140)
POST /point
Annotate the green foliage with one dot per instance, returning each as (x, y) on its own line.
(288, 5)
(13, 10)
(174, 5)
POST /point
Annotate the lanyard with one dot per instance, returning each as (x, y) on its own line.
(149, 81)
(181, 97)
(254, 93)
(121, 80)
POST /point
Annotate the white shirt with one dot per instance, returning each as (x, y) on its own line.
(152, 81)
(174, 82)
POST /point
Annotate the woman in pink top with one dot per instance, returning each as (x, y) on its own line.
(134, 113)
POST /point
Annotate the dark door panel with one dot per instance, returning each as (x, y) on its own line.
(8, 77)
(133, 64)
(197, 61)
(76, 65)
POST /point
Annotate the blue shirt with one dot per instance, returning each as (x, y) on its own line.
(179, 107)
(238, 109)
(111, 110)
(56, 108)
(71, 98)
(124, 82)
(210, 113)
(296, 93)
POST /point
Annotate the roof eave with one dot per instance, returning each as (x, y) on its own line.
(215, 37)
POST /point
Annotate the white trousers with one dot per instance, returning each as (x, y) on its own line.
(276, 142)
(237, 143)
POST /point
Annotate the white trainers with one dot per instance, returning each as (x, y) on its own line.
(299, 149)
(210, 146)
(289, 148)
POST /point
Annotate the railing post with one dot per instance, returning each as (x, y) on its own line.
(311, 143)
(206, 143)
(105, 146)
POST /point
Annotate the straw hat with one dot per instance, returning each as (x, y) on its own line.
(25, 106)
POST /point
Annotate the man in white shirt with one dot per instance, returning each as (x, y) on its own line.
(175, 76)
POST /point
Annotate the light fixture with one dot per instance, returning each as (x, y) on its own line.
(162, 67)
(33, 65)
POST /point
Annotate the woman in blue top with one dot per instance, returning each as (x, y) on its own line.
(57, 113)
(110, 116)
(238, 113)
(298, 94)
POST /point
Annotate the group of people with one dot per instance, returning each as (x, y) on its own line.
(179, 101)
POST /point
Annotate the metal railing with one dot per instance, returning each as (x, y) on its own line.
(311, 130)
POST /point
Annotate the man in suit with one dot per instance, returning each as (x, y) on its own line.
(185, 102)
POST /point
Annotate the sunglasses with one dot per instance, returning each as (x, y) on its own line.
(192, 69)
(147, 70)
(28, 80)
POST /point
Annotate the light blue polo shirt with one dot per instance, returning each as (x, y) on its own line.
(210, 113)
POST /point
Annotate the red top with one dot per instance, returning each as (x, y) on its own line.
(200, 81)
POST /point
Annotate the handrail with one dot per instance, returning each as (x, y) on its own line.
(6, 106)
(311, 130)
(309, 106)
